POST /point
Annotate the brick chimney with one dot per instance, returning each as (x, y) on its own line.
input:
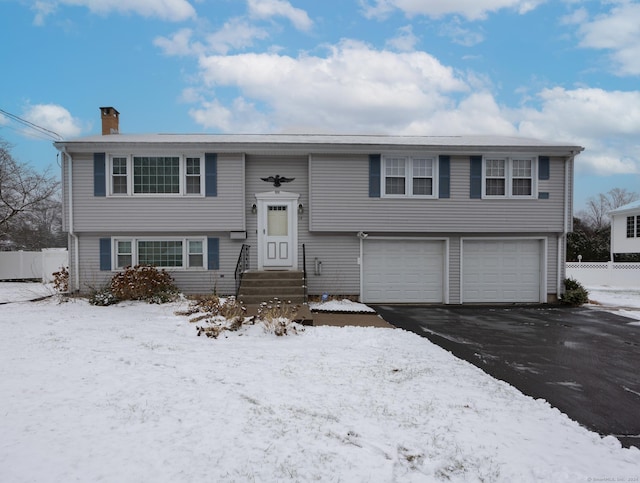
(110, 120)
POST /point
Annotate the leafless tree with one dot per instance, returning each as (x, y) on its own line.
(24, 194)
(596, 214)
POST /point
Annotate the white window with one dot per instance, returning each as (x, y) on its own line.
(156, 175)
(509, 177)
(405, 176)
(175, 253)
(119, 185)
(633, 226)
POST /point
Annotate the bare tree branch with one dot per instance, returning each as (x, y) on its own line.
(24, 193)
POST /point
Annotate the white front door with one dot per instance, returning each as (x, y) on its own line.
(277, 230)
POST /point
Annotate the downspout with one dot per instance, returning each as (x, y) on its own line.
(562, 240)
(76, 257)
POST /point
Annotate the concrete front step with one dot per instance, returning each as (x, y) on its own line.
(258, 299)
(272, 275)
(261, 286)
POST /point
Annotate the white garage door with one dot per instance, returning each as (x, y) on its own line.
(403, 271)
(501, 270)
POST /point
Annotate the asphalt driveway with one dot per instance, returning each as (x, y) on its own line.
(584, 362)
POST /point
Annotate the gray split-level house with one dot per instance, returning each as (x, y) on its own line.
(420, 219)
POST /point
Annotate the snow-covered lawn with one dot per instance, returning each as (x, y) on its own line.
(619, 300)
(129, 393)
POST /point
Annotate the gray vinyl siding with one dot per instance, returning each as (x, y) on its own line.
(340, 269)
(188, 281)
(338, 253)
(340, 202)
(258, 167)
(224, 212)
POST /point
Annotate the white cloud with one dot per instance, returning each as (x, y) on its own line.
(353, 88)
(459, 34)
(42, 10)
(265, 9)
(172, 10)
(179, 43)
(619, 32)
(470, 9)
(405, 41)
(235, 34)
(606, 123)
(54, 118)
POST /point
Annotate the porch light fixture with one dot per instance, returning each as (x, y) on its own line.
(254, 209)
(300, 209)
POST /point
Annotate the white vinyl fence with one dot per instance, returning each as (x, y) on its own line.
(612, 274)
(33, 265)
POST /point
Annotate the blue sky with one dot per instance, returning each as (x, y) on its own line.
(560, 70)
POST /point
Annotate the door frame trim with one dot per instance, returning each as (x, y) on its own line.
(284, 197)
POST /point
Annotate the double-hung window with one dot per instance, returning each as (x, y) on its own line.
(162, 253)
(193, 183)
(156, 175)
(405, 176)
(119, 185)
(509, 177)
(633, 226)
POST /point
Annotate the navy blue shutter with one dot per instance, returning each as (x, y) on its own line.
(374, 175)
(211, 174)
(543, 167)
(475, 190)
(105, 253)
(444, 174)
(213, 253)
(99, 175)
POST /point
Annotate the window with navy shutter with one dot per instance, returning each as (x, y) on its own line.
(99, 174)
(213, 255)
(211, 174)
(544, 167)
(105, 254)
(374, 175)
(444, 175)
(475, 191)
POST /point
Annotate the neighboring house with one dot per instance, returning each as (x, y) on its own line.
(460, 219)
(625, 229)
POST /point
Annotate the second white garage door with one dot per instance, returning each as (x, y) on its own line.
(501, 270)
(403, 271)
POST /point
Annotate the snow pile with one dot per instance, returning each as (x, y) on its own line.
(129, 393)
(612, 296)
(22, 291)
(344, 305)
(620, 301)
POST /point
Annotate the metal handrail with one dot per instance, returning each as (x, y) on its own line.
(304, 274)
(242, 265)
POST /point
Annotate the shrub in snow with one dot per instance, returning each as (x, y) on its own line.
(102, 297)
(277, 317)
(144, 282)
(217, 315)
(574, 293)
(61, 280)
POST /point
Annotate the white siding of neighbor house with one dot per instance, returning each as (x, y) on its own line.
(158, 213)
(619, 241)
(189, 281)
(340, 202)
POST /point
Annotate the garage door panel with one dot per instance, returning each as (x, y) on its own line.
(403, 271)
(501, 270)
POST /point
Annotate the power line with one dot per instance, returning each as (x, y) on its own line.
(39, 129)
